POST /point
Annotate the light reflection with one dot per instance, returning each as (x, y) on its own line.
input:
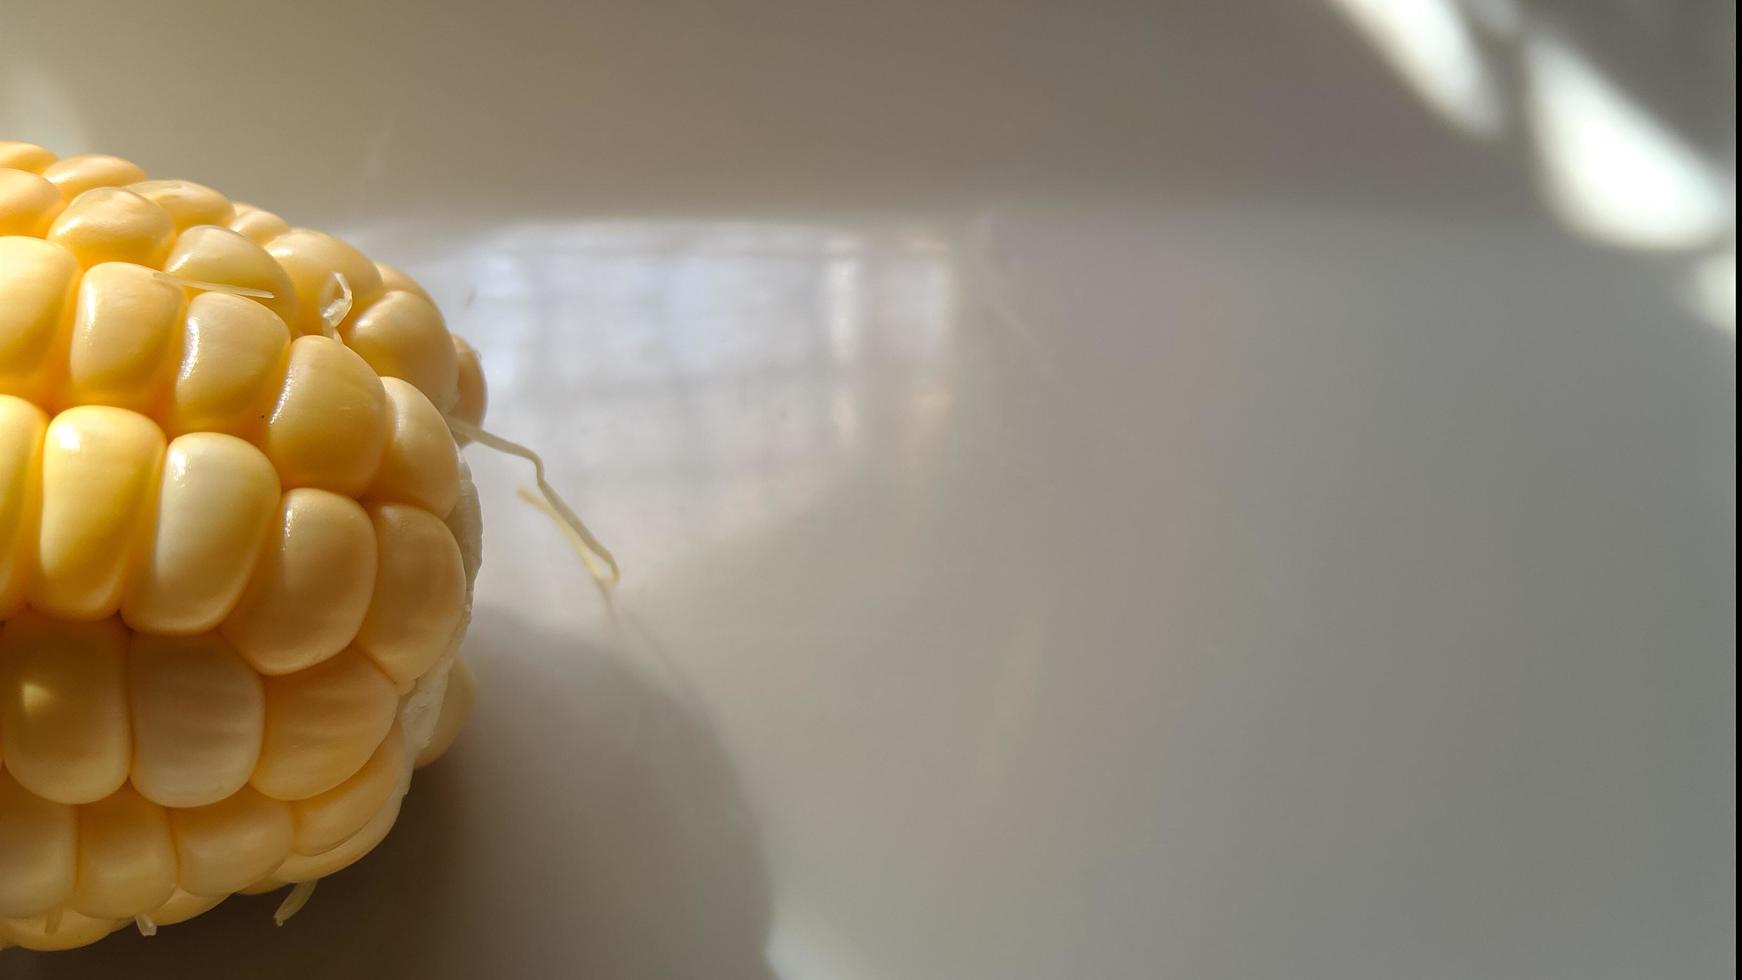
(37, 698)
(1429, 43)
(1611, 171)
(1608, 169)
(845, 329)
(742, 369)
(1711, 290)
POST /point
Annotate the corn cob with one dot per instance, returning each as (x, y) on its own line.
(237, 544)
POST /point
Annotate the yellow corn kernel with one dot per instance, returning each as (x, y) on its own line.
(207, 253)
(126, 857)
(402, 335)
(420, 593)
(22, 426)
(229, 845)
(393, 279)
(24, 156)
(199, 713)
(472, 395)
(256, 225)
(322, 725)
(312, 259)
(457, 700)
(126, 326)
(98, 463)
(38, 851)
(310, 587)
(420, 465)
(306, 867)
(330, 423)
(28, 203)
(64, 726)
(113, 224)
(37, 282)
(61, 929)
(77, 174)
(324, 822)
(182, 906)
(234, 355)
(187, 203)
(217, 498)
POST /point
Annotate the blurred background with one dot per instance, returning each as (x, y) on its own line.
(1111, 489)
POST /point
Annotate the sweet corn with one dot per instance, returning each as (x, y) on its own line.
(237, 545)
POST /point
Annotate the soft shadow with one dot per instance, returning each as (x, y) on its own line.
(588, 824)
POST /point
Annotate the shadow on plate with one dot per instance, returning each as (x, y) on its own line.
(588, 823)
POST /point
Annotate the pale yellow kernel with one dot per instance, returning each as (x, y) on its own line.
(467, 526)
(59, 930)
(228, 845)
(113, 224)
(256, 225)
(38, 851)
(207, 253)
(37, 283)
(98, 467)
(22, 426)
(299, 867)
(63, 707)
(263, 886)
(310, 588)
(392, 278)
(324, 822)
(322, 725)
(457, 701)
(126, 331)
(188, 203)
(420, 593)
(234, 355)
(126, 857)
(77, 174)
(28, 203)
(421, 464)
(312, 258)
(217, 499)
(183, 906)
(199, 713)
(24, 156)
(329, 426)
(472, 397)
(402, 335)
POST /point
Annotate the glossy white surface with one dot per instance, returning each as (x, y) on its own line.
(1105, 492)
